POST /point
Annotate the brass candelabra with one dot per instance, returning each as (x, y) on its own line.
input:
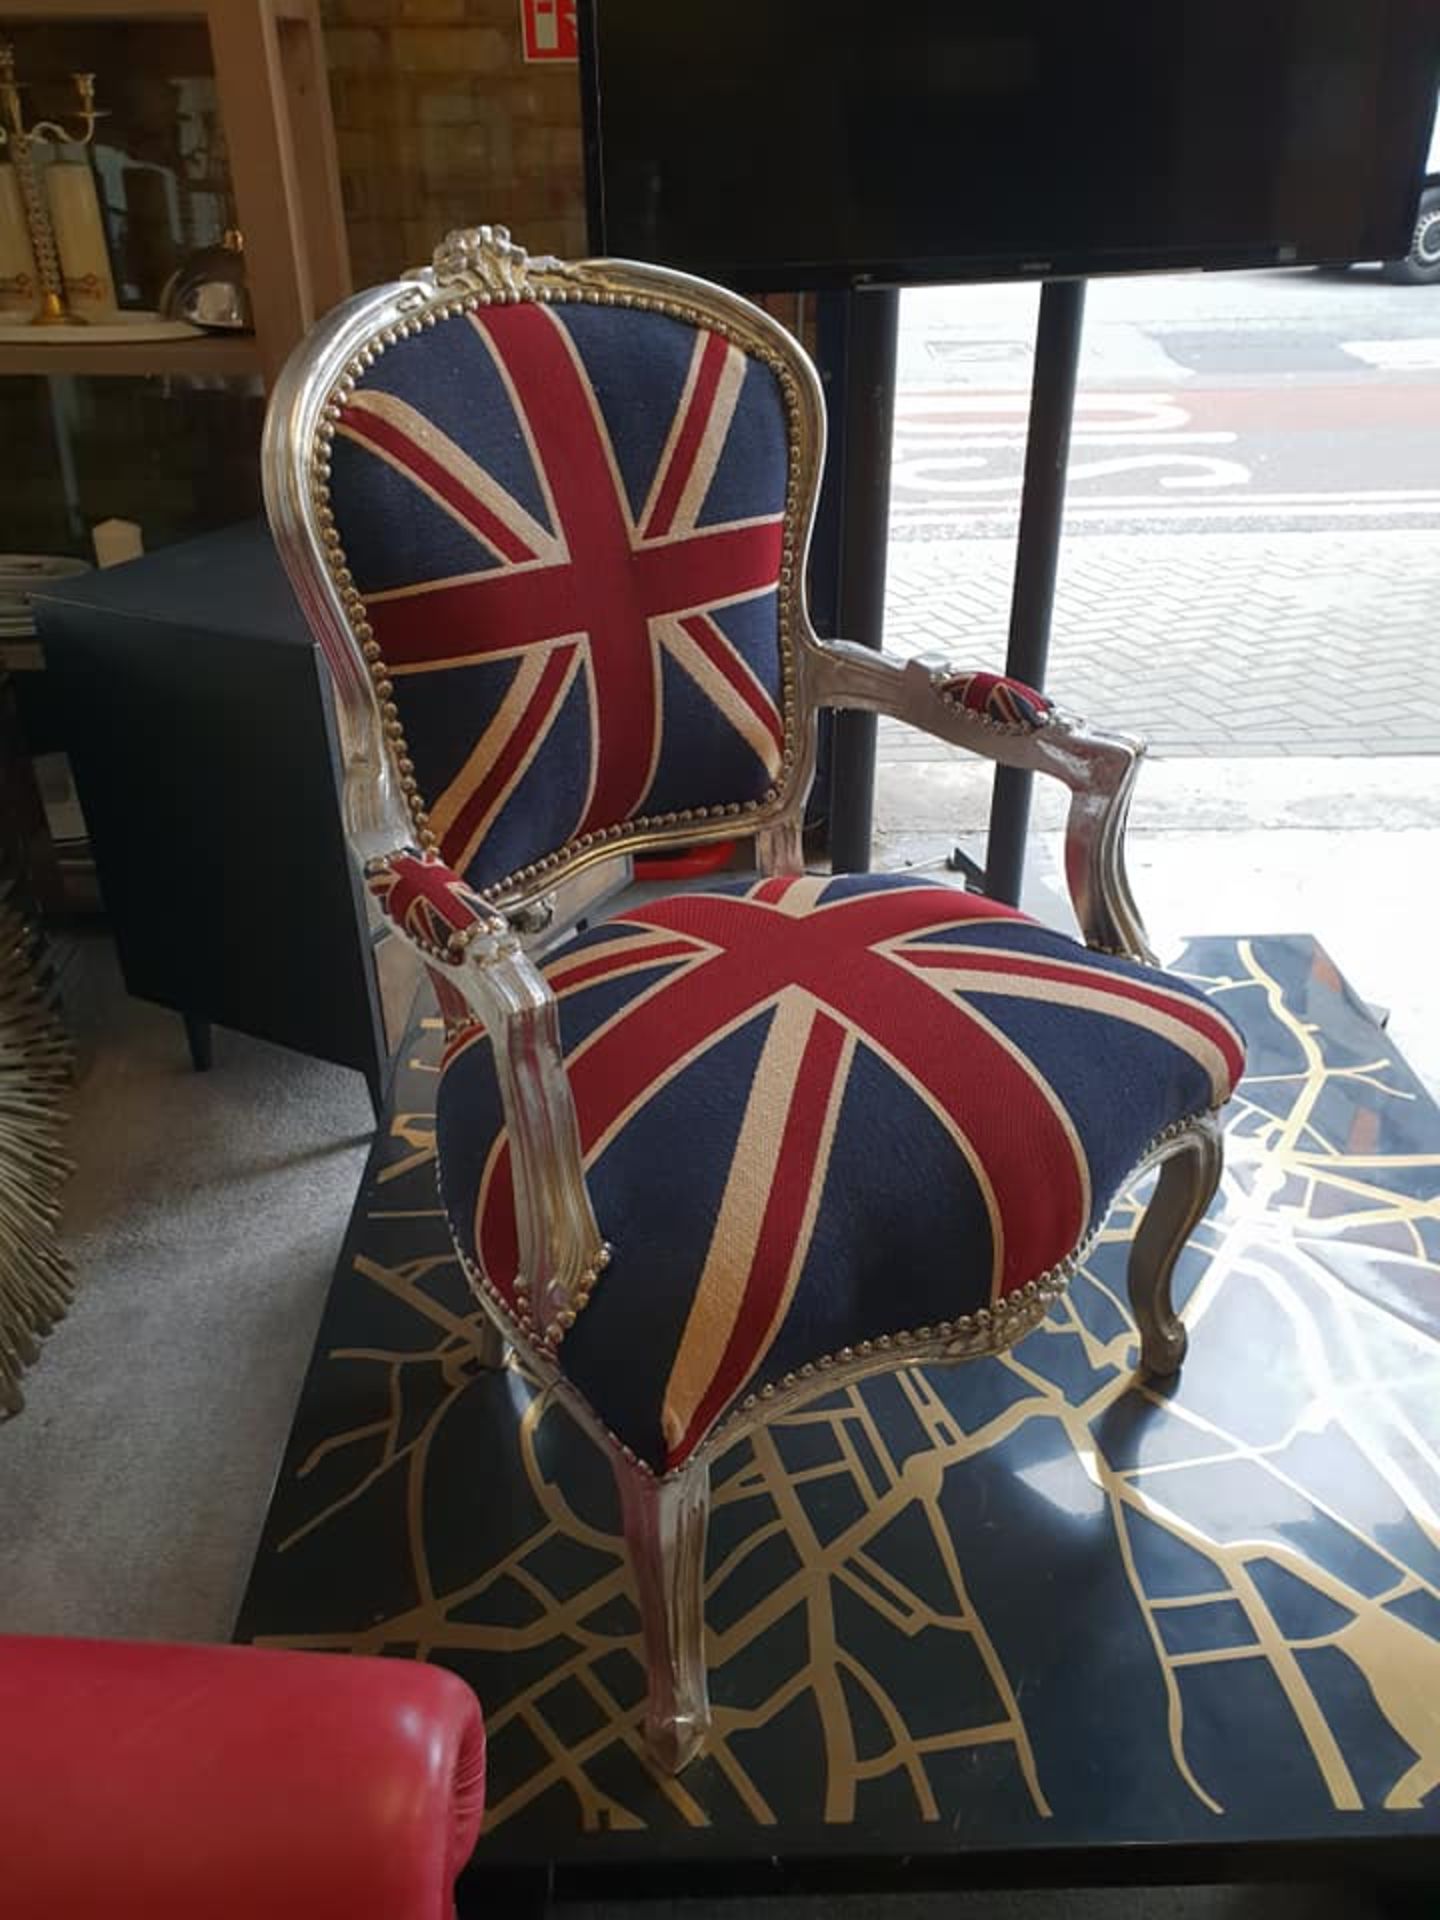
(20, 141)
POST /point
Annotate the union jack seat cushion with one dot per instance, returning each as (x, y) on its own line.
(566, 525)
(822, 1111)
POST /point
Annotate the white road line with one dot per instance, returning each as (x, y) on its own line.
(960, 436)
(1150, 508)
(1385, 496)
(1396, 356)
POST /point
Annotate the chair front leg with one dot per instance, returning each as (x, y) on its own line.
(1189, 1176)
(665, 1522)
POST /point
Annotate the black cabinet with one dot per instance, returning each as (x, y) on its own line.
(197, 714)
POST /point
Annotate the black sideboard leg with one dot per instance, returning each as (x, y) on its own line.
(201, 1037)
(1407, 1900)
(519, 1893)
(377, 1080)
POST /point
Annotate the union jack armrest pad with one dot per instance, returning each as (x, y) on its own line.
(430, 904)
(994, 699)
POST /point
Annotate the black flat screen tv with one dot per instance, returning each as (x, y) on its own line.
(818, 143)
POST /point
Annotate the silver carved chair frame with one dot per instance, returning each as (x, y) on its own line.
(493, 968)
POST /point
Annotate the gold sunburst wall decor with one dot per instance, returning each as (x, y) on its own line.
(35, 1064)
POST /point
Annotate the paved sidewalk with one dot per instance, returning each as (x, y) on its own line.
(1204, 644)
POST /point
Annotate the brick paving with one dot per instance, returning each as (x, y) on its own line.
(1204, 644)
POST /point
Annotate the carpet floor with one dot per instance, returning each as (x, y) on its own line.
(204, 1221)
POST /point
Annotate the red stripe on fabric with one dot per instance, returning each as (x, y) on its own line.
(602, 594)
(718, 563)
(774, 890)
(978, 688)
(885, 915)
(466, 619)
(796, 1172)
(497, 1233)
(999, 1102)
(1190, 1013)
(462, 1025)
(567, 980)
(692, 433)
(539, 711)
(429, 884)
(723, 657)
(387, 437)
(496, 613)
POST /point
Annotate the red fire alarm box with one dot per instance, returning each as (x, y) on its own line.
(549, 28)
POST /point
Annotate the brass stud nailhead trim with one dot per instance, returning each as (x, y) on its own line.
(939, 680)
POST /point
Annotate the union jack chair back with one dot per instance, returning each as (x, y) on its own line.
(737, 1146)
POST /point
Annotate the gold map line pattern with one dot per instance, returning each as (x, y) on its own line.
(1270, 1154)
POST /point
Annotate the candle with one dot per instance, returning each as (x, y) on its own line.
(80, 239)
(19, 282)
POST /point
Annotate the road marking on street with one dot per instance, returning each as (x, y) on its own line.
(942, 445)
(1381, 496)
(1145, 506)
(1152, 412)
(1396, 356)
(941, 475)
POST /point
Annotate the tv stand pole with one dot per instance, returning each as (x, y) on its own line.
(1037, 558)
(862, 470)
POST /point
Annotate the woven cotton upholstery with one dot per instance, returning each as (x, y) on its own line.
(1000, 699)
(566, 524)
(817, 1112)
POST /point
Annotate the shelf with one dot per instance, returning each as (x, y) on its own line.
(133, 12)
(269, 64)
(233, 356)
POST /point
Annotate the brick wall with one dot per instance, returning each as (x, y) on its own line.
(440, 124)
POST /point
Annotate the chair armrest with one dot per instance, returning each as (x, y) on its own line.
(170, 1781)
(1007, 722)
(437, 911)
(475, 958)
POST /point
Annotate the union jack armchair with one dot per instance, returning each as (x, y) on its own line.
(732, 1147)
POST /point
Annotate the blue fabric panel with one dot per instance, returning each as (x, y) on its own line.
(394, 534)
(541, 810)
(1099, 1066)
(700, 764)
(468, 1106)
(620, 1350)
(753, 628)
(899, 1199)
(449, 374)
(749, 479)
(638, 363)
(439, 712)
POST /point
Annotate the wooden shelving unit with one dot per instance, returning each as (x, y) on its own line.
(270, 79)
(230, 356)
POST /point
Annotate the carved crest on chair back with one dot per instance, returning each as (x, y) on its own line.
(564, 510)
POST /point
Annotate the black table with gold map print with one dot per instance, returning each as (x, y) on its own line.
(1027, 1611)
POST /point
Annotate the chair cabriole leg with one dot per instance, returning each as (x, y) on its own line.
(492, 1349)
(1189, 1176)
(665, 1523)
